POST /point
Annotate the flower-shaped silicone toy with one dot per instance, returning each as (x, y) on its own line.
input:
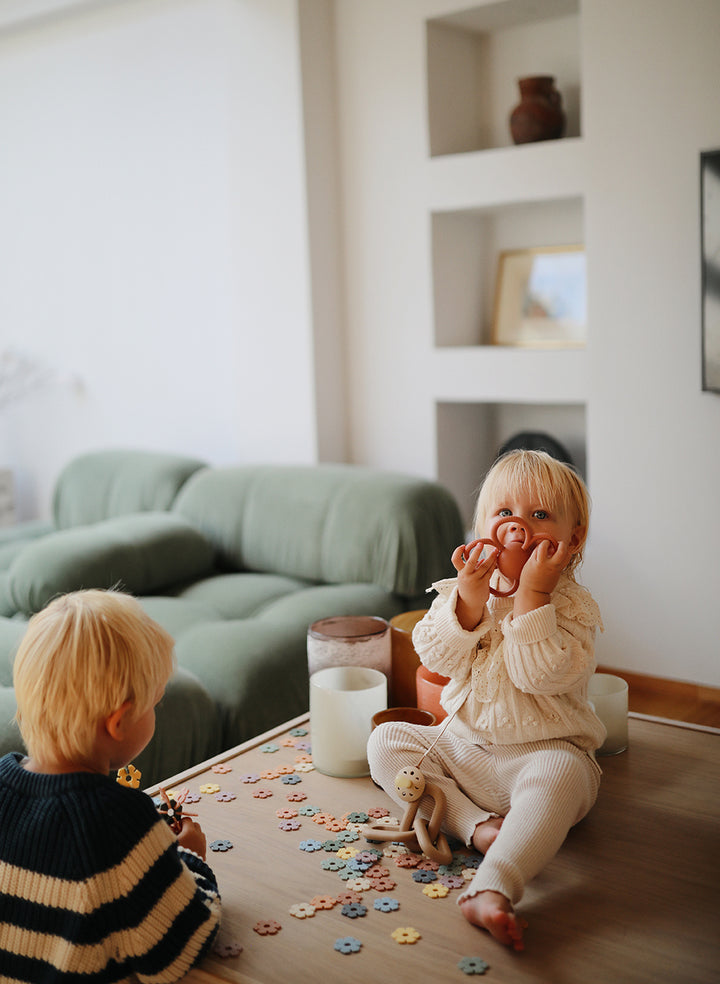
(386, 905)
(347, 944)
(310, 846)
(359, 884)
(382, 884)
(357, 817)
(209, 788)
(267, 927)
(347, 898)
(129, 776)
(425, 877)
(324, 901)
(405, 934)
(436, 891)
(302, 910)
(221, 845)
(452, 881)
(354, 910)
(473, 965)
(332, 864)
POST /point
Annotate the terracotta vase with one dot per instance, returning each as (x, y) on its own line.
(539, 114)
(429, 688)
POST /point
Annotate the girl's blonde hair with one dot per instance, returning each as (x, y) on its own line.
(542, 477)
(82, 657)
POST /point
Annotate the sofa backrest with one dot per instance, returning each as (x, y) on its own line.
(330, 523)
(101, 485)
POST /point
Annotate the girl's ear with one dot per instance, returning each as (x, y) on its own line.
(116, 723)
(578, 538)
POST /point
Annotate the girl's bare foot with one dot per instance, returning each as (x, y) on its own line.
(485, 833)
(493, 912)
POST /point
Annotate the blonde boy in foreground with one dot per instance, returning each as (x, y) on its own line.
(93, 883)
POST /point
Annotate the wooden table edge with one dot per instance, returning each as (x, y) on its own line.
(229, 753)
(304, 719)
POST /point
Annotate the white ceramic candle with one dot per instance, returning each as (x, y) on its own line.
(343, 700)
(608, 695)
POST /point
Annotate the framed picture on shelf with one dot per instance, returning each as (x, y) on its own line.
(710, 247)
(540, 297)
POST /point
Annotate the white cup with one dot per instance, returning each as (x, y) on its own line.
(608, 696)
(343, 700)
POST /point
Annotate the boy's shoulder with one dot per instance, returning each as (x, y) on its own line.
(84, 821)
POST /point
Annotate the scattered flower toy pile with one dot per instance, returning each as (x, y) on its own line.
(360, 870)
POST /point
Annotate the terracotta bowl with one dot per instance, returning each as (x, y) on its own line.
(429, 687)
(408, 715)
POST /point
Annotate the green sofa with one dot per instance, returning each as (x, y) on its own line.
(235, 563)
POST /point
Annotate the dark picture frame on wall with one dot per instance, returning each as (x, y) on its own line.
(710, 268)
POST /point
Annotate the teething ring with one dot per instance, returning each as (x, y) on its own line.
(511, 558)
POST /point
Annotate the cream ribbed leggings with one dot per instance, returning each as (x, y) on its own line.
(541, 789)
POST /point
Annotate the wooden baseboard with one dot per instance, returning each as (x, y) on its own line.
(663, 687)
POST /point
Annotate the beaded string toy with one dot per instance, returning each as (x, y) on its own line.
(410, 783)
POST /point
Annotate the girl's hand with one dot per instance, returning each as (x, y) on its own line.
(192, 837)
(473, 579)
(540, 575)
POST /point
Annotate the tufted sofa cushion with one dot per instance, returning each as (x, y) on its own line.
(336, 524)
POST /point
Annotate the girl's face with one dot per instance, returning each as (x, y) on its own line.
(541, 518)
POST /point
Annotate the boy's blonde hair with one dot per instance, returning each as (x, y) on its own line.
(82, 657)
(544, 478)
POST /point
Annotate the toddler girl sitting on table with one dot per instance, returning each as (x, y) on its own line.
(516, 761)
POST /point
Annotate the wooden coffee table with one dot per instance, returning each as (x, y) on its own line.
(632, 895)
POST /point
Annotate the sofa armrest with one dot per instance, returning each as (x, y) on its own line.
(100, 485)
(140, 554)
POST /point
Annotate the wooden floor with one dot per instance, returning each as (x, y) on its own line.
(672, 699)
(632, 897)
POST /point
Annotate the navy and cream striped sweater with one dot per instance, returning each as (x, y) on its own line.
(93, 884)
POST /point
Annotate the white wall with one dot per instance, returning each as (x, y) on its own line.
(169, 213)
(153, 243)
(650, 80)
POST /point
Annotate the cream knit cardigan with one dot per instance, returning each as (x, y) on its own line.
(516, 680)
